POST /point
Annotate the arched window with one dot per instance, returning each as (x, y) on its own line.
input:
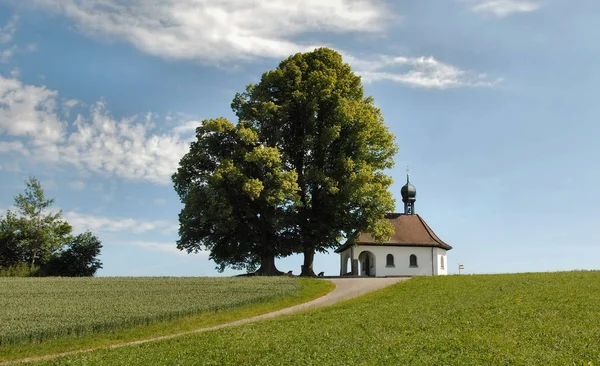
(413, 261)
(442, 262)
(389, 260)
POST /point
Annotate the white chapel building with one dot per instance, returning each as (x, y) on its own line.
(413, 250)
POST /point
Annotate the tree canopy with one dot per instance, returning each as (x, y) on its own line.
(237, 197)
(328, 140)
(35, 237)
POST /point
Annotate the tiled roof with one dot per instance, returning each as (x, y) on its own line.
(409, 230)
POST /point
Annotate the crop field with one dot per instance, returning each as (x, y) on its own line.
(35, 309)
(516, 319)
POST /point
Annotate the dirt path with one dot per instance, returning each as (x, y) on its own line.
(345, 288)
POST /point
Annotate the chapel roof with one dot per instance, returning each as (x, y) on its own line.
(409, 230)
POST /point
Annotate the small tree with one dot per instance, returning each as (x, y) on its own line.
(11, 250)
(79, 259)
(35, 237)
(39, 232)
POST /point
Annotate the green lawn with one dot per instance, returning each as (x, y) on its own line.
(516, 319)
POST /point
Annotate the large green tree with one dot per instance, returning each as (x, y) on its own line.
(237, 197)
(313, 110)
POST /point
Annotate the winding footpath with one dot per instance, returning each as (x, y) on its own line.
(345, 289)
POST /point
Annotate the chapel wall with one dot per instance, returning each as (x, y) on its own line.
(401, 260)
(442, 259)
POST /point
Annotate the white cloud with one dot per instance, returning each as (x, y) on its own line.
(7, 31)
(187, 127)
(29, 111)
(77, 185)
(215, 31)
(126, 148)
(160, 201)
(424, 72)
(69, 104)
(502, 8)
(100, 224)
(97, 142)
(7, 54)
(231, 30)
(82, 222)
(13, 146)
(166, 247)
(11, 166)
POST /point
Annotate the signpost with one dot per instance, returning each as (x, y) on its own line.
(460, 268)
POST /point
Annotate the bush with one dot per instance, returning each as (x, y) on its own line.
(19, 270)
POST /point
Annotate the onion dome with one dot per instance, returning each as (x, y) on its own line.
(408, 191)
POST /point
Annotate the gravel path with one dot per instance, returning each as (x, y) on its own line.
(345, 288)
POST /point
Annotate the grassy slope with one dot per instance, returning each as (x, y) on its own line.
(308, 289)
(519, 319)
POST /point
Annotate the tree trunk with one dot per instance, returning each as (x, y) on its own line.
(267, 266)
(33, 252)
(307, 267)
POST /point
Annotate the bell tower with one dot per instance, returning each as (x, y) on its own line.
(409, 196)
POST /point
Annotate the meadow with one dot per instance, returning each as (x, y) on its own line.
(36, 309)
(512, 319)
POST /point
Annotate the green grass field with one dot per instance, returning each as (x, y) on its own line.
(516, 319)
(308, 289)
(35, 309)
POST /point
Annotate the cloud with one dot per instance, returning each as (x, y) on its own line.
(82, 222)
(7, 54)
(95, 142)
(7, 32)
(160, 201)
(165, 247)
(125, 147)
(503, 8)
(13, 146)
(102, 224)
(29, 111)
(77, 185)
(215, 31)
(8, 49)
(424, 72)
(98, 224)
(187, 128)
(226, 31)
(70, 103)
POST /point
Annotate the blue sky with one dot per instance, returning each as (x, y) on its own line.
(493, 104)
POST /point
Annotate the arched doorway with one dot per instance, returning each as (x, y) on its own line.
(366, 262)
(346, 263)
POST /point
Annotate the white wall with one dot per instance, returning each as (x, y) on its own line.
(441, 253)
(401, 260)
